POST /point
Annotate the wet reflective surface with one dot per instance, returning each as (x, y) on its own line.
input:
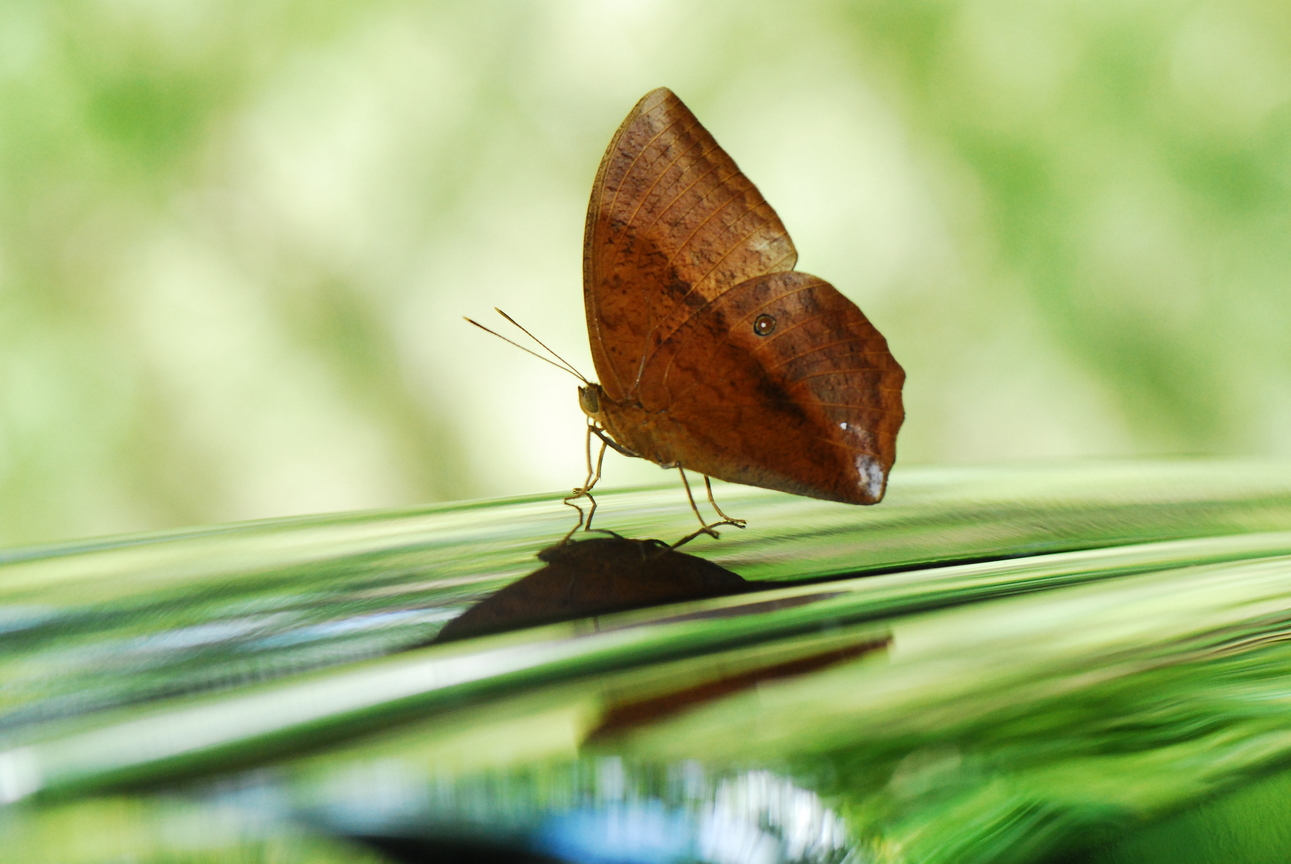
(1002, 666)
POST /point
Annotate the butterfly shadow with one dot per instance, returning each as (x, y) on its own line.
(596, 576)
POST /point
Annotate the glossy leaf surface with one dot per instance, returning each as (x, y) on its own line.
(996, 665)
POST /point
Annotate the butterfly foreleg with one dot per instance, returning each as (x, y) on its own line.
(607, 441)
(593, 477)
(585, 491)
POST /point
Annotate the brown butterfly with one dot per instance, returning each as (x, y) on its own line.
(713, 353)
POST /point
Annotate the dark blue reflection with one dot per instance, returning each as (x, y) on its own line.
(598, 811)
(639, 833)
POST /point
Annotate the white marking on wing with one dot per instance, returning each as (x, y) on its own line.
(871, 474)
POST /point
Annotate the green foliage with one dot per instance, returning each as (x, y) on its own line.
(236, 238)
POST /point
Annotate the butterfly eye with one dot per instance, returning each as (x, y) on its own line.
(764, 325)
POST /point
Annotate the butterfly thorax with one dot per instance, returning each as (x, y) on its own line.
(631, 426)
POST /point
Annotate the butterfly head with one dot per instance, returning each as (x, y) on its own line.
(589, 399)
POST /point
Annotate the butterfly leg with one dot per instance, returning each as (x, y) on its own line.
(593, 478)
(705, 527)
(727, 520)
(585, 491)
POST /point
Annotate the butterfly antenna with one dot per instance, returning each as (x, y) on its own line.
(522, 329)
(562, 365)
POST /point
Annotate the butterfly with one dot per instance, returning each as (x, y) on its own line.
(713, 353)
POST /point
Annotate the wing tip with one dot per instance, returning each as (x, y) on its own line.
(656, 97)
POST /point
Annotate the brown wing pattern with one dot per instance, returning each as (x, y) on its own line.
(671, 225)
(813, 407)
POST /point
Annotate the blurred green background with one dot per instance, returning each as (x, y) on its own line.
(237, 238)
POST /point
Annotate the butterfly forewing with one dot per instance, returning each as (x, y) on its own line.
(672, 224)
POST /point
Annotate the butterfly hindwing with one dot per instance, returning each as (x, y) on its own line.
(781, 382)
